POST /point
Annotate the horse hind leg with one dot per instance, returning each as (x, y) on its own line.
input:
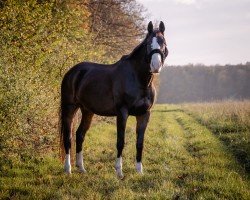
(80, 135)
(67, 114)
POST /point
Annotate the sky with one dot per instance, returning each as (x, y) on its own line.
(203, 31)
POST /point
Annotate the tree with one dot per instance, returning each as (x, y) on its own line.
(118, 25)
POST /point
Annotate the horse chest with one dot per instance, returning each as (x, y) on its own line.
(142, 101)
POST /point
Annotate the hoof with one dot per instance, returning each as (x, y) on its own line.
(67, 171)
(119, 175)
(81, 169)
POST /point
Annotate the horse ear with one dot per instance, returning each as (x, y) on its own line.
(150, 27)
(162, 27)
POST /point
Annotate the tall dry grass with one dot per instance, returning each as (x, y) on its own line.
(233, 112)
(230, 121)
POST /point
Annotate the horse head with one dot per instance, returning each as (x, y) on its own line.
(156, 51)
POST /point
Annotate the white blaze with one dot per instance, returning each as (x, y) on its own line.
(155, 64)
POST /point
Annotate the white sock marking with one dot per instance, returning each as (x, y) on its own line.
(118, 167)
(139, 167)
(79, 162)
(67, 165)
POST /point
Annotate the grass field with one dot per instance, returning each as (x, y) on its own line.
(186, 156)
(230, 122)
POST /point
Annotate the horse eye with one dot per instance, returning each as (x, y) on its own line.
(160, 40)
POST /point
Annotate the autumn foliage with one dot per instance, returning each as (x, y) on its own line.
(40, 40)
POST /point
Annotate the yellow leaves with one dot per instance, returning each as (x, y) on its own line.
(39, 42)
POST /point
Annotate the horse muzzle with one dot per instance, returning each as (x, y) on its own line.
(157, 69)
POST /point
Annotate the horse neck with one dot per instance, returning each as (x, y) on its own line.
(141, 67)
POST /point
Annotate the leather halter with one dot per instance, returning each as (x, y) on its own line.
(163, 55)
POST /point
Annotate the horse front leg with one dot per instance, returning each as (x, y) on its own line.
(121, 121)
(142, 122)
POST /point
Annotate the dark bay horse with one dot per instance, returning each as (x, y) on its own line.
(121, 89)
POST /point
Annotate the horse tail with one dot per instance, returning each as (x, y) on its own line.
(69, 84)
(60, 130)
(63, 113)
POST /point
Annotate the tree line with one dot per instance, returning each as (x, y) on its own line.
(199, 83)
(39, 41)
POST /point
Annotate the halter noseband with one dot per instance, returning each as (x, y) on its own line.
(163, 55)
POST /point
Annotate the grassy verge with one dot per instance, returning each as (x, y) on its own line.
(230, 122)
(182, 160)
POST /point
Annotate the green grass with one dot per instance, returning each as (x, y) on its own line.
(230, 122)
(182, 159)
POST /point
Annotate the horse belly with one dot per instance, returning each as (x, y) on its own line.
(97, 97)
(104, 107)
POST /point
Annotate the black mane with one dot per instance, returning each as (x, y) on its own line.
(137, 49)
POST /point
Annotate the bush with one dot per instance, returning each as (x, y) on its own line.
(39, 41)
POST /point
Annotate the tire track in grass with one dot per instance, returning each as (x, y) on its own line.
(235, 137)
(213, 171)
(177, 159)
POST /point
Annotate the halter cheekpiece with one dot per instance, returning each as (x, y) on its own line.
(149, 56)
